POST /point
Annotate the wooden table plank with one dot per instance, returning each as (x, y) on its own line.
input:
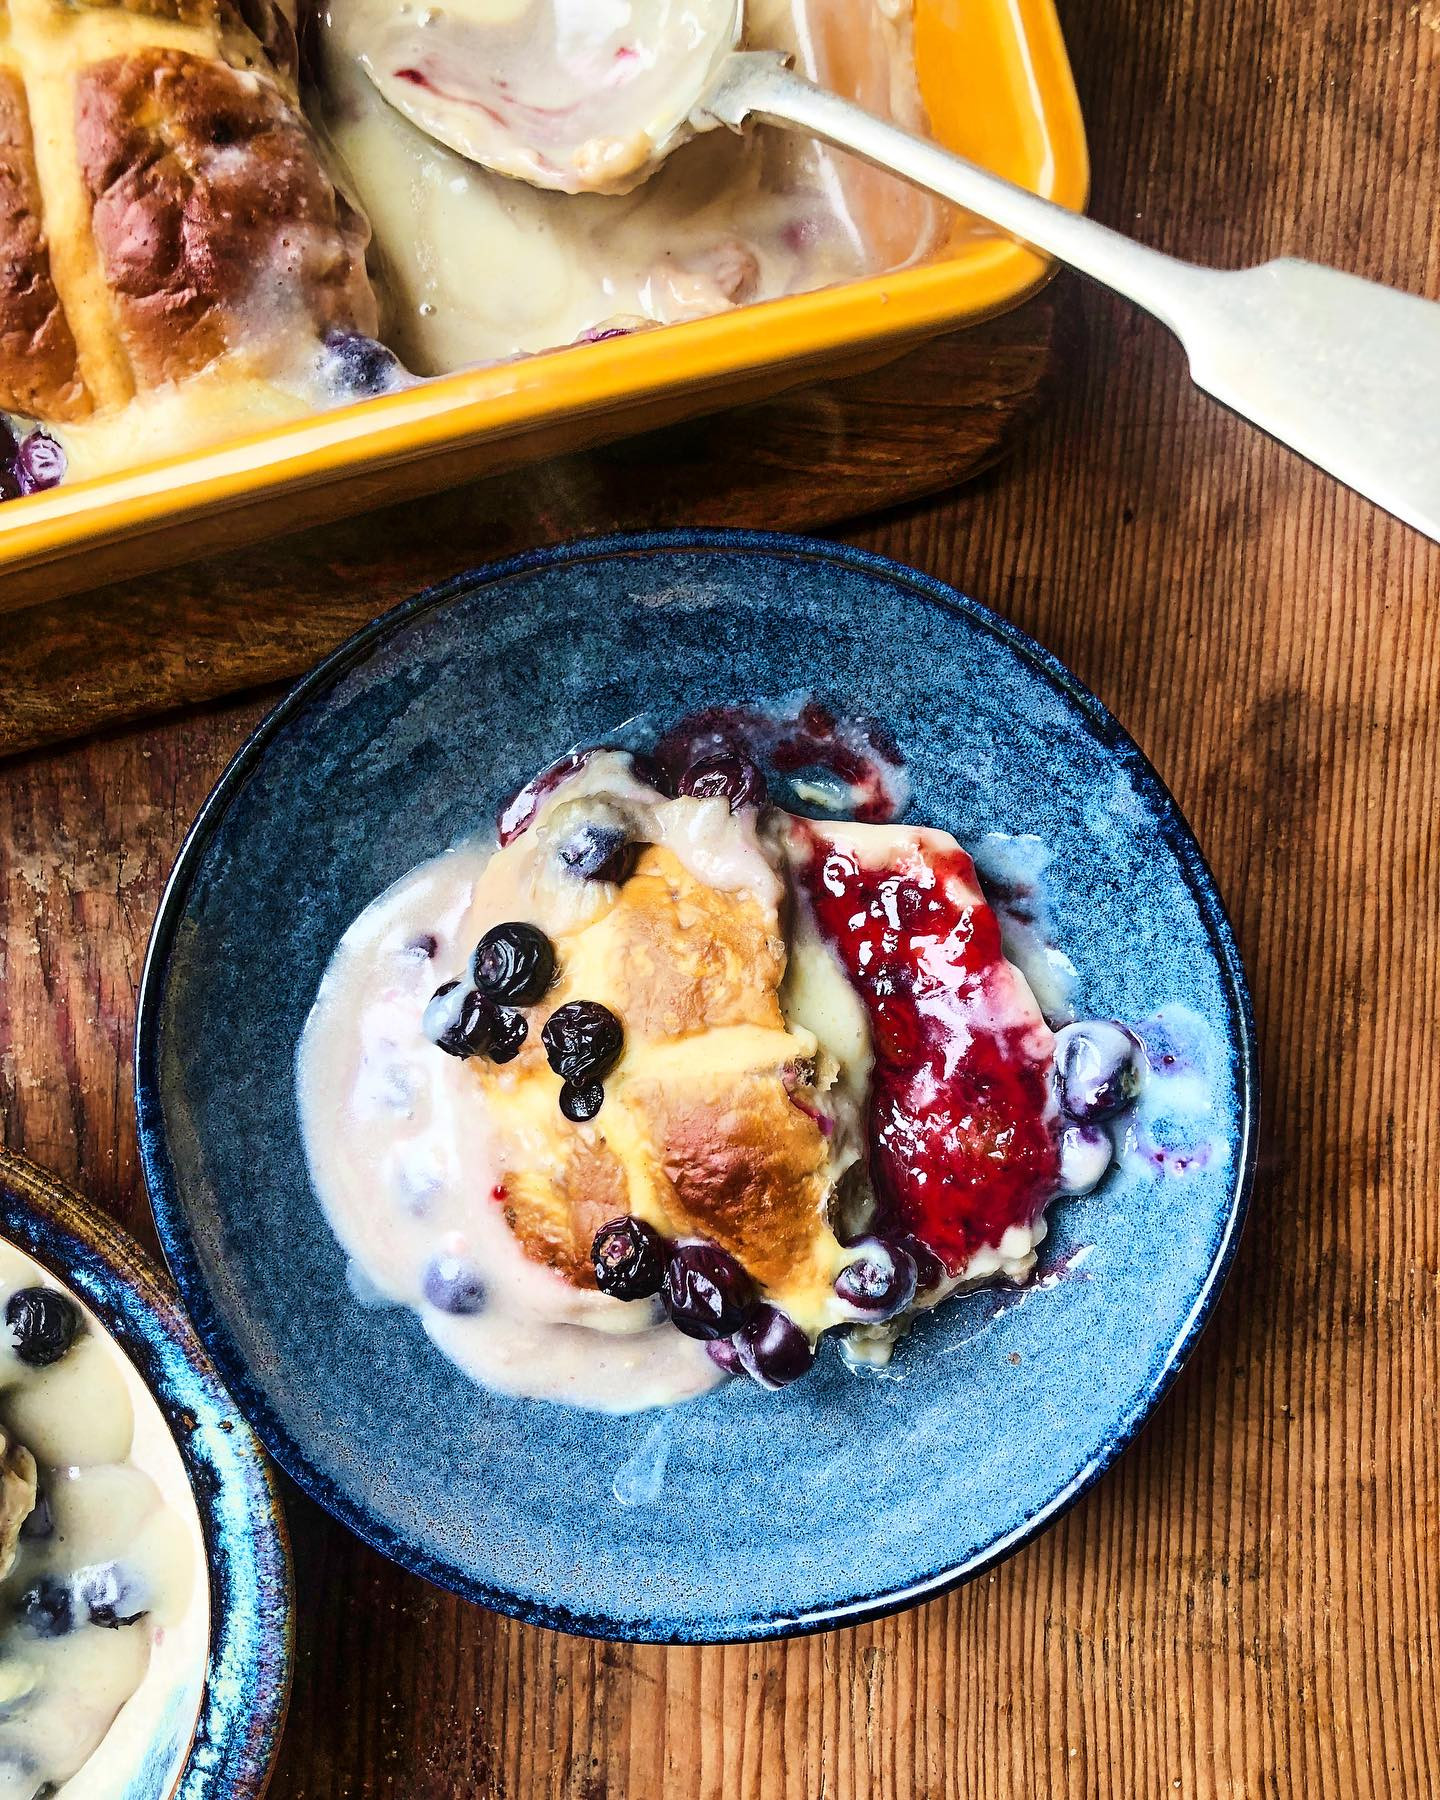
(1249, 1604)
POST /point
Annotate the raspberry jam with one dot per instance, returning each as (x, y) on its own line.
(963, 1130)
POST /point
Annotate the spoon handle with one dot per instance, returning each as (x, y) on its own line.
(1343, 370)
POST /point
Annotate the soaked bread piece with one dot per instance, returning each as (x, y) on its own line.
(162, 202)
(39, 373)
(17, 1496)
(714, 1124)
(208, 209)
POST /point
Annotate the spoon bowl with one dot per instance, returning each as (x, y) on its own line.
(580, 96)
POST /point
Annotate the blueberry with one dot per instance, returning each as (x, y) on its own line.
(43, 1325)
(629, 1258)
(583, 1041)
(1097, 1069)
(358, 366)
(580, 1104)
(9, 455)
(930, 1272)
(48, 1607)
(772, 1349)
(39, 463)
(707, 1293)
(111, 1598)
(514, 962)
(40, 1522)
(1085, 1153)
(452, 1286)
(728, 776)
(725, 1354)
(459, 1021)
(647, 768)
(507, 1035)
(598, 852)
(880, 1282)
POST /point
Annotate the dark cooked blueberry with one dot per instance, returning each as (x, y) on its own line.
(728, 776)
(644, 767)
(725, 1354)
(583, 1041)
(596, 852)
(358, 366)
(40, 1522)
(880, 1282)
(1085, 1154)
(459, 1021)
(111, 1598)
(514, 962)
(707, 1293)
(581, 1103)
(930, 1272)
(453, 1286)
(39, 463)
(48, 1607)
(507, 1035)
(9, 474)
(629, 1258)
(43, 1325)
(1097, 1069)
(772, 1349)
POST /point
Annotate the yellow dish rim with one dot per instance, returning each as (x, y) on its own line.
(501, 401)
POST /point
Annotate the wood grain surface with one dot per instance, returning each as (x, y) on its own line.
(1248, 1605)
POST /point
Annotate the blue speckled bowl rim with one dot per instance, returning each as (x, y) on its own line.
(169, 1210)
(247, 1548)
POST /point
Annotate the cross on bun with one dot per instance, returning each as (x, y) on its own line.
(162, 202)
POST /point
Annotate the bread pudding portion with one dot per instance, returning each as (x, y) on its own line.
(674, 1083)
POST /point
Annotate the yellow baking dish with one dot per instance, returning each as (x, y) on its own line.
(996, 81)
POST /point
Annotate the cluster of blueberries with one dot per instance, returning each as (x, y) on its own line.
(44, 1324)
(708, 1295)
(28, 464)
(1098, 1066)
(513, 967)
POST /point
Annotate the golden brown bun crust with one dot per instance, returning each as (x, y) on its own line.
(210, 209)
(686, 958)
(745, 1167)
(38, 371)
(698, 1129)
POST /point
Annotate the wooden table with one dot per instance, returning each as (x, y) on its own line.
(1249, 1604)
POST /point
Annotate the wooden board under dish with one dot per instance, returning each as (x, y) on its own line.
(263, 613)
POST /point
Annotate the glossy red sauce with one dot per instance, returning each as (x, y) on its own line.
(963, 1140)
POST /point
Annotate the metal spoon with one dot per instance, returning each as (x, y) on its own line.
(1343, 370)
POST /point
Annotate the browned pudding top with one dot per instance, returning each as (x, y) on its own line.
(162, 201)
(38, 369)
(209, 209)
(700, 1132)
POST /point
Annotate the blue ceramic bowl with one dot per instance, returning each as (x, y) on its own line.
(742, 1514)
(220, 1724)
